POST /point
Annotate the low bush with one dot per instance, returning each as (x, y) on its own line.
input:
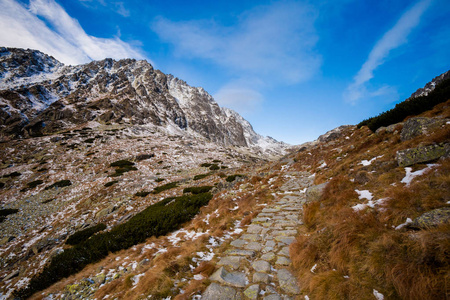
(159, 179)
(214, 167)
(34, 184)
(164, 187)
(157, 219)
(2, 185)
(82, 235)
(197, 189)
(141, 194)
(144, 156)
(13, 174)
(232, 178)
(201, 176)
(61, 183)
(6, 212)
(108, 184)
(122, 163)
(206, 165)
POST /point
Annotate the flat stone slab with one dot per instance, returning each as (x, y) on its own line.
(252, 291)
(218, 292)
(272, 297)
(261, 277)
(271, 243)
(230, 261)
(268, 256)
(283, 261)
(270, 210)
(284, 232)
(253, 246)
(236, 279)
(238, 243)
(285, 239)
(261, 266)
(247, 253)
(287, 281)
(251, 237)
(254, 228)
(284, 251)
(260, 220)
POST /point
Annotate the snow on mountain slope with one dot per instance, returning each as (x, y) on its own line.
(39, 95)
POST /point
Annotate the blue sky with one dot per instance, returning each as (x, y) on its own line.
(294, 69)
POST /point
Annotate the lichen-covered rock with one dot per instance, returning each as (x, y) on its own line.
(389, 129)
(424, 154)
(431, 219)
(315, 192)
(417, 126)
(236, 279)
(217, 292)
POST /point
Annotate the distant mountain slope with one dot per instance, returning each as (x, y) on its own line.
(39, 95)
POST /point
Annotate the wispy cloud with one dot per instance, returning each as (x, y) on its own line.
(276, 42)
(395, 37)
(64, 38)
(239, 97)
(115, 6)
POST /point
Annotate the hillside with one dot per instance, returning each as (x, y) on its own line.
(123, 210)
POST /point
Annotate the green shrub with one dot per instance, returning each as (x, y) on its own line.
(206, 165)
(217, 161)
(411, 107)
(90, 140)
(232, 178)
(197, 189)
(157, 219)
(6, 212)
(201, 176)
(159, 179)
(82, 235)
(223, 167)
(142, 194)
(61, 183)
(34, 184)
(13, 174)
(164, 187)
(214, 167)
(1, 185)
(108, 184)
(122, 163)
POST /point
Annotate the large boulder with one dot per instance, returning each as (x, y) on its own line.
(417, 126)
(424, 154)
(432, 219)
(218, 292)
(314, 192)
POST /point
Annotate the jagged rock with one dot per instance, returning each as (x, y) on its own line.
(261, 266)
(236, 279)
(314, 192)
(430, 86)
(424, 154)
(420, 125)
(288, 282)
(105, 211)
(389, 129)
(431, 219)
(218, 292)
(12, 275)
(252, 291)
(333, 134)
(261, 277)
(283, 261)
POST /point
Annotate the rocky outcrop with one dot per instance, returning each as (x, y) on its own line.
(414, 127)
(314, 192)
(424, 154)
(431, 219)
(334, 134)
(430, 86)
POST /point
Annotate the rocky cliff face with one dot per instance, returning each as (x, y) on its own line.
(39, 95)
(430, 85)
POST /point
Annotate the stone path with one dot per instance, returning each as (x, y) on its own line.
(256, 266)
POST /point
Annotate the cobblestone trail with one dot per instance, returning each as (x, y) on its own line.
(257, 265)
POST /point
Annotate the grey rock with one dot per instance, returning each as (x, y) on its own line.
(251, 237)
(283, 261)
(261, 266)
(268, 256)
(236, 279)
(285, 239)
(230, 261)
(287, 281)
(12, 275)
(414, 127)
(272, 297)
(238, 243)
(218, 292)
(432, 219)
(314, 193)
(252, 291)
(253, 246)
(254, 228)
(424, 154)
(261, 277)
(284, 251)
(247, 253)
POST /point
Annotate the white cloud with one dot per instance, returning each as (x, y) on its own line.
(275, 42)
(239, 98)
(65, 40)
(392, 39)
(115, 6)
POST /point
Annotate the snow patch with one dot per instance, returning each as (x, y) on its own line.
(364, 194)
(378, 295)
(408, 221)
(411, 175)
(369, 162)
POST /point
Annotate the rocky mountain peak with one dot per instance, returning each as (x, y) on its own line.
(40, 96)
(430, 85)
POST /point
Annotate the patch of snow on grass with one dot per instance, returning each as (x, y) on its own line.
(408, 221)
(178, 236)
(369, 162)
(411, 175)
(378, 295)
(313, 268)
(198, 277)
(364, 194)
(137, 278)
(322, 165)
